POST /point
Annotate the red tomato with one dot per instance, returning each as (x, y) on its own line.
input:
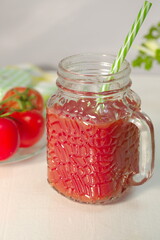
(9, 138)
(22, 98)
(31, 126)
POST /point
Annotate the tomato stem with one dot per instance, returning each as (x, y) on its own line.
(9, 113)
(23, 99)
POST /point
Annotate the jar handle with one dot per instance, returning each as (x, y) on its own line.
(146, 148)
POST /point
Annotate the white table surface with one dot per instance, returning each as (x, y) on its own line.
(31, 210)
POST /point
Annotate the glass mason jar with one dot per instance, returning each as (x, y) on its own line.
(99, 142)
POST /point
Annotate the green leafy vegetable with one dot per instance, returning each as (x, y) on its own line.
(149, 50)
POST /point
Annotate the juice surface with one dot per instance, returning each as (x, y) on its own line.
(90, 159)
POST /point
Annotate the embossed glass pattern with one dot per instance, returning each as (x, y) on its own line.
(94, 146)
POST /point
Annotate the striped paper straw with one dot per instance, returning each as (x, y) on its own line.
(129, 40)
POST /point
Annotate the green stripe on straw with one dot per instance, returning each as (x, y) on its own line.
(128, 41)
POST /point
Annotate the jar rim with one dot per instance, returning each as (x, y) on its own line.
(64, 71)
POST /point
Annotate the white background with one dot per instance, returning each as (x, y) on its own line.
(45, 31)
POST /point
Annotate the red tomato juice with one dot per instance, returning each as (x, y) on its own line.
(90, 160)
